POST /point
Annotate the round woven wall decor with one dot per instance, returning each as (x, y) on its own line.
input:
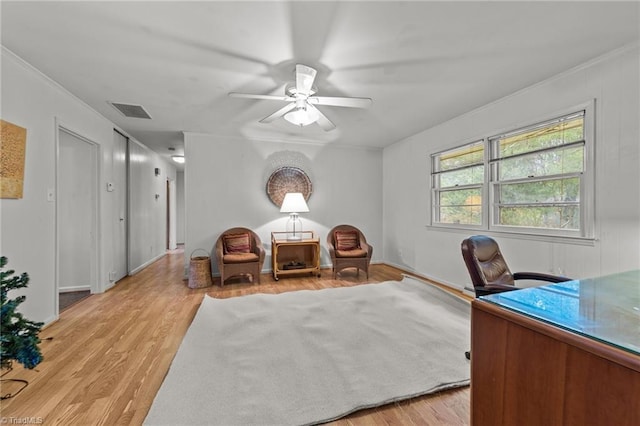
(288, 179)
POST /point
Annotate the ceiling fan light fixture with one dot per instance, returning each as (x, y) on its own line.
(301, 99)
(291, 90)
(301, 116)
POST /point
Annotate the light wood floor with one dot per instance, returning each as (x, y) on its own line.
(106, 357)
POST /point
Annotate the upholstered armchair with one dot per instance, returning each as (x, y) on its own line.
(349, 249)
(488, 268)
(239, 251)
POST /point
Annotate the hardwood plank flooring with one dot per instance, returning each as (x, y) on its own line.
(107, 355)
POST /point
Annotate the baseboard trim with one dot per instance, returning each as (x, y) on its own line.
(75, 288)
(469, 292)
(144, 265)
(48, 321)
(424, 277)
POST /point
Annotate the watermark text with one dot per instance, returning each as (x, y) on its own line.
(21, 420)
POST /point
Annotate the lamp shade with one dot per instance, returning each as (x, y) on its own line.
(301, 116)
(294, 203)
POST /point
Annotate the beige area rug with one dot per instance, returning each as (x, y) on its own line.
(312, 356)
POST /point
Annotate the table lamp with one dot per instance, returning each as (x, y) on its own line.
(293, 204)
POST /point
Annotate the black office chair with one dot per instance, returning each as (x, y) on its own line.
(489, 271)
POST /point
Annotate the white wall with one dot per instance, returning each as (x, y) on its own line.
(225, 186)
(614, 82)
(31, 100)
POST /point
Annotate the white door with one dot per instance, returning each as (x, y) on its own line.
(76, 213)
(120, 192)
(171, 215)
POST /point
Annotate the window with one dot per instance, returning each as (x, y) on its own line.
(533, 180)
(458, 179)
(536, 175)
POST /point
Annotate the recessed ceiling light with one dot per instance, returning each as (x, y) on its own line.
(178, 158)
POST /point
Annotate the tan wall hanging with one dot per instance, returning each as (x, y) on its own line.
(288, 179)
(12, 153)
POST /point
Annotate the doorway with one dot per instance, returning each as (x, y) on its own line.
(120, 189)
(76, 214)
(171, 215)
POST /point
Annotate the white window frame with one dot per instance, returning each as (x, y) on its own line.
(436, 190)
(489, 193)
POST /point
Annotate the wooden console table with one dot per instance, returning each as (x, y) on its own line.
(566, 353)
(285, 254)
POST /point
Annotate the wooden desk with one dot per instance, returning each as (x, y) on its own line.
(305, 250)
(562, 354)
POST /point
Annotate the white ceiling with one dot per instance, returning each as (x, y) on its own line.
(421, 62)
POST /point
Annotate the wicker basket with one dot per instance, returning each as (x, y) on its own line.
(199, 270)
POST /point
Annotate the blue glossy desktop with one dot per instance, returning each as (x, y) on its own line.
(605, 308)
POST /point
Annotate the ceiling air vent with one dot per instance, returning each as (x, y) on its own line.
(131, 111)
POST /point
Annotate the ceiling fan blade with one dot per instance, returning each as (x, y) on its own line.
(341, 102)
(305, 76)
(268, 97)
(279, 113)
(324, 123)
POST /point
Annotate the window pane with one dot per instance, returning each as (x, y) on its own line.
(557, 217)
(464, 215)
(461, 207)
(563, 160)
(460, 157)
(469, 176)
(463, 197)
(547, 191)
(555, 134)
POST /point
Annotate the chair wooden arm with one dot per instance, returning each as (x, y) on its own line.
(259, 250)
(219, 250)
(366, 247)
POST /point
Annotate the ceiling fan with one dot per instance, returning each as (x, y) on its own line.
(301, 101)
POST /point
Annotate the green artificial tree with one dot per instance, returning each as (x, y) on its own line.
(19, 336)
